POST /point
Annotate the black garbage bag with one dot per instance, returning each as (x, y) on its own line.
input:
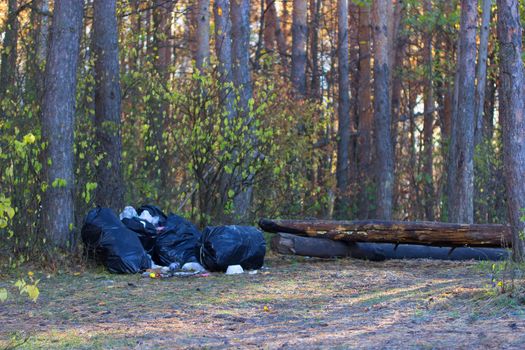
(222, 246)
(176, 243)
(118, 247)
(154, 211)
(146, 232)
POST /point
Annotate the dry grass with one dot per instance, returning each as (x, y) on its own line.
(296, 303)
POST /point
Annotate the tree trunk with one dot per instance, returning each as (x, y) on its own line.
(299, 36)
(110, 186)
(240, 17)
(285, 243)
(223, 48)
(315, 11)
(42, 40)
(162, 60)
(382, 111)
(428, 123)
(365, 146)
(488, 108)
(353, 67)
(9, 49)
(201, 33)
(481, 70)
(461, 164)
(399, 39)
(270, 18)
(281, 40)
(58, 116)
(423, 232)
(512, 116)
(343, 112)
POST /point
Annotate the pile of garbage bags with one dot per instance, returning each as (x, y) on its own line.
(140, 239)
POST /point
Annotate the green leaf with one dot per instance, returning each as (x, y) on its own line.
(10, 212)
(29, 139)
(3, 294)
(33, 292)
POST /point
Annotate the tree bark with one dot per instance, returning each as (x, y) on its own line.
(382, 109)
(201, 33)
(42, 41)
(58, 114)
(110, 186)
(428, 123)
(461, 164)
(223, 48)
(284, 243)
(481, 71)
(315, 14)
(162, 44)
(512, 116)
(398, 43)
(270, 18)
(240, 17)
(9, 49)
(365, 146)
(282, 46)
(299, 36)
(426, 233)
(343, 112)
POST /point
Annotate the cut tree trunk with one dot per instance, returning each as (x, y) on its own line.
(376, 231)
(284, 243)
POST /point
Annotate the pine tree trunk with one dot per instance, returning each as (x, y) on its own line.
(461, 159)
(481, 70)
(9, 49)
(397, 55)
(58, 116)
(365, 145)
(201, 33)
(382, 110)
(428, 123)
(343, 112)
(223, 48)
(315, 11)
(240, 17)
(400, 232)
(270, 18)
(512, 116)
(42, 41)
(110, 186)
(162, 16)
(299, 36)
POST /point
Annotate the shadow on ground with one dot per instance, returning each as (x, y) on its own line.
(295, 303)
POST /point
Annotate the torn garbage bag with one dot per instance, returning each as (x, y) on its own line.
(119, 248)
(146, 232)
(155, 216)
(176, 243)
(222, 246)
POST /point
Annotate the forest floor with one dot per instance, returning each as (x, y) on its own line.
(293, 303)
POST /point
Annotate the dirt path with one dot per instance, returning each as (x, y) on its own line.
(295, 303)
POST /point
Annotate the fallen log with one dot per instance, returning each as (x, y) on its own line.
(406, 232)
(289, 244)
(285, 243)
